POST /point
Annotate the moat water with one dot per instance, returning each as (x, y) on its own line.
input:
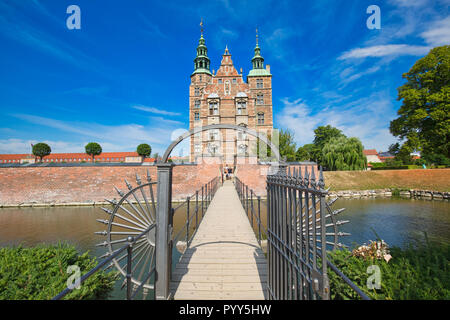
(397, 221)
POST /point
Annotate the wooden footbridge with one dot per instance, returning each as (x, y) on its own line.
(224, 260)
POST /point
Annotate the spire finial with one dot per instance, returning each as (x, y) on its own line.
(201, 26)
(256, 36)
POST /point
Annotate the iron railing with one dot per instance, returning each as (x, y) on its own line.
(131, 294)
(296, 229)
(247, 197)
(201, 200)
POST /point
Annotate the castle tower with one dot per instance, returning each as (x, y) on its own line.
(224, 97)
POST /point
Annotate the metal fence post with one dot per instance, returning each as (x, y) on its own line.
(246, 200)
(129, 271)
(251, 206)
(202, 199)
(163, 231)
(187, 219)
(259, 219)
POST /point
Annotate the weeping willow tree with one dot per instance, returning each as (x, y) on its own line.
(342, 153)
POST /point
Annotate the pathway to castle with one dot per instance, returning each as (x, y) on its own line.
(224, 260)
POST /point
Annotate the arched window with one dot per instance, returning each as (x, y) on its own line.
(241, 135)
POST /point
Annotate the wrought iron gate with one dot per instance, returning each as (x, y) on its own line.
(297, 236)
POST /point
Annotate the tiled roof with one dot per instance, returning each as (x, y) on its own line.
(370, 152)
(105, 156)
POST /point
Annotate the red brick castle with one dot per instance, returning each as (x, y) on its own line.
(226, 97)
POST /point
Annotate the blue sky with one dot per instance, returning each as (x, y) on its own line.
(123, 78)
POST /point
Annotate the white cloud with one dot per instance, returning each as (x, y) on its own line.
(438, 34)
(347, 76)
(123, 137)
(367, 119)
(409, 3)
(23, 146)
(385, 50)
(157, 111)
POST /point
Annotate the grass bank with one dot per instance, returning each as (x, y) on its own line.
(419, 272)
(424, 179)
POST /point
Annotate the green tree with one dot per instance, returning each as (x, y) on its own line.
(287, 145)
(322, 135)
(304, 153)
(41, 150)
(93, 149)
(394, 148)
(342, 153)
(144, 150)
(424, 120)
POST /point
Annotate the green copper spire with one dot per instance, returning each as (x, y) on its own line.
(258, 62)
(201, 61)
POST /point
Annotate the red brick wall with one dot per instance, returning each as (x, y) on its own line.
(254, 175)
(90, 184)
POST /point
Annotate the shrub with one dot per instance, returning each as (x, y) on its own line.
(40, 273)
(144, 150)
(417, 272)
(93, 149)
(400, 167)
(41, 150)
(378, 164)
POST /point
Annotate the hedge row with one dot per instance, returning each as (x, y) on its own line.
(40, 273)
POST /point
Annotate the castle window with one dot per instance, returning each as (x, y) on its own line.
(227, 88)
(241, 107)
(219, 81)
(197, 148)
(197, 91)
(197, 104)
(234, 80)
(213, 108)
(242, 149)
(261, 118)
(241, 134)
(213, 148)
(199, 78)
(259, 99)
(259, 83)
(197, 116)
(214, 135)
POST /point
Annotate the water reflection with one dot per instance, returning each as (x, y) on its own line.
(397, 221)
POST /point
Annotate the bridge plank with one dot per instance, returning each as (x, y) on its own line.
(224, 260)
